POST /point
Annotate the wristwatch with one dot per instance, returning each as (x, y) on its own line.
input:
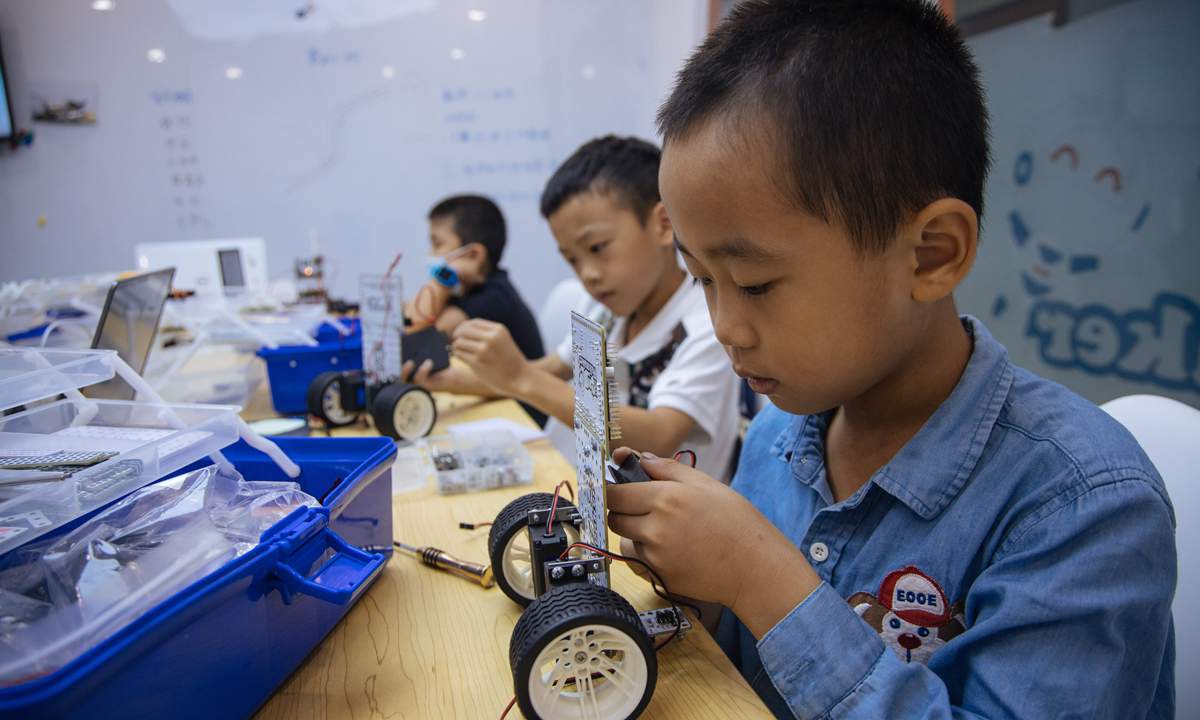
(445, 275)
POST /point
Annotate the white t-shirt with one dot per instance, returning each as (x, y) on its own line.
(674, 362)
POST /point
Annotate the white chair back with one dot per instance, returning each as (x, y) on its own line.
(1169, 432)
(554, 319)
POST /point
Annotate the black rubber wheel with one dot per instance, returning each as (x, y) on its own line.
(403, 411)
(513, 520)
(320, 385)
(574, 627)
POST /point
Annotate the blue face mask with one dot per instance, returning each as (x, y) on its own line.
(436, 263)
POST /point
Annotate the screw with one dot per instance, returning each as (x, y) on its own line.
(580, 657)
(557, 573)
(577, 570)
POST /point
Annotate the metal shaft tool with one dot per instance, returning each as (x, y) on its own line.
(441, 560)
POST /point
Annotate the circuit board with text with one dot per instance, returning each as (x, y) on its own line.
(595, 426)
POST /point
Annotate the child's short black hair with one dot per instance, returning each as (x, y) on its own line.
(875, 105)
(627, 167)
(476, 219)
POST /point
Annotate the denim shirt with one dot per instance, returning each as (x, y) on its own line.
(1015, 559)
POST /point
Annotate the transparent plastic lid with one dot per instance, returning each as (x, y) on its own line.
(233, 324)
(64, 459)
(31, 374)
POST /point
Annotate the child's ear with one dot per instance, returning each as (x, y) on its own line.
(944, 237)
(659, 224)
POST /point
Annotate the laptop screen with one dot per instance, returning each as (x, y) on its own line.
(129, 324)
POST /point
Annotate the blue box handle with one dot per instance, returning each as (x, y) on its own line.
(339, 580)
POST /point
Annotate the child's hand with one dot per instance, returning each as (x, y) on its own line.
(416, 321)
(451, 379)
(628, 549)
(492, 354)
(708, 542)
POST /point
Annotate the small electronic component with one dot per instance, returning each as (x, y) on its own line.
(665, 622)
(629, 471)
(55, 461)
(101, 480)
(445, 461)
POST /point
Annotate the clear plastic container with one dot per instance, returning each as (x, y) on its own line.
(214, 374)
(29, 374)
(479, 461)
(413, 467)
(150, 441)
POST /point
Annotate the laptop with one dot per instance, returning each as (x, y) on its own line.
(129, 324)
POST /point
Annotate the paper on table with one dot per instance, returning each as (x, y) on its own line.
(522, 433)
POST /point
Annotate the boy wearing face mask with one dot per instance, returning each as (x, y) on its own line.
(466, 238)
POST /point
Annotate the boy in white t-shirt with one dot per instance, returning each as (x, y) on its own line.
(674, 377)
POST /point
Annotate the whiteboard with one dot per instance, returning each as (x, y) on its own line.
(336, 131)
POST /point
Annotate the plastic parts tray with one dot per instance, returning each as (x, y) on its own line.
(29, 375)
(479, 461)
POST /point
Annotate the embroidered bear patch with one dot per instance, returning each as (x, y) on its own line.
(911, 614)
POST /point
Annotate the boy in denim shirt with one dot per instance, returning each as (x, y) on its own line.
(917, 528)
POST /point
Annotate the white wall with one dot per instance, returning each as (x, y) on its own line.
(312, 139)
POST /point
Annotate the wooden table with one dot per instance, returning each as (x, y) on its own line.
(425, 644)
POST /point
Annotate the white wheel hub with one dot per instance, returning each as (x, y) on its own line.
(413, 414)
(518, 564)
(590, 672)
(331, 403)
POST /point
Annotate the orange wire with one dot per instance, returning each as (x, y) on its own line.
(508, 707)
(570, 490)
(554, 505)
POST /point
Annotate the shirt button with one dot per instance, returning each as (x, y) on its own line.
(819, 552)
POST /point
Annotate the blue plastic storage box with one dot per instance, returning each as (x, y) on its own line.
(291, 368)
(328, 332)
(219, 648)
